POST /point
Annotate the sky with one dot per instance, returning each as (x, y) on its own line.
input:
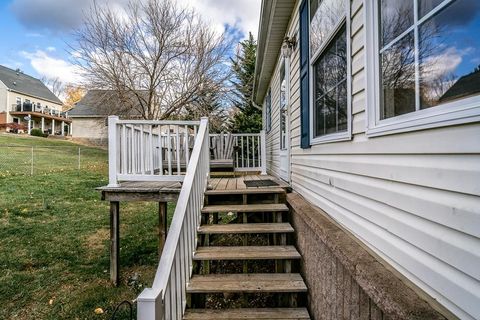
(35, 33)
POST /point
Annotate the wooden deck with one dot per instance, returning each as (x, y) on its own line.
(169, 191)
(164, 192)
(238, 182)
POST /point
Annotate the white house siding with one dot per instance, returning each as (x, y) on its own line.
(3, 98)
(413, 198)
(88, 128)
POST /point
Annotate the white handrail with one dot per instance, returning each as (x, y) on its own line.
(167, 297)
(138, 148)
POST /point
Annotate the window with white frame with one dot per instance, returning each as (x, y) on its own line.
(329, 70)
(426, 66)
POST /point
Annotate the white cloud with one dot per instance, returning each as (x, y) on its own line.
(443, 64)
(52, 67)
(34, 35)
(51, 49)
(55, 15)
(66, 15)
(244, 14)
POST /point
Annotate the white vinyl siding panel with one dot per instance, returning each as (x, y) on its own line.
(413, 198)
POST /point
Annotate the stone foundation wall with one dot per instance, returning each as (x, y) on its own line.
(344, 280)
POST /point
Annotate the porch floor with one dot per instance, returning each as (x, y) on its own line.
(238, 182)
(169, 189)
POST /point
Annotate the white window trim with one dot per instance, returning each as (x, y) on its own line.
(338, 136)
(461, 111)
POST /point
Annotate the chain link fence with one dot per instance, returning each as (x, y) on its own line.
(43, 160)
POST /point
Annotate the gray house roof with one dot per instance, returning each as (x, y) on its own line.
(90, 105)
(464, 87)
(25, 84)
(98, 103)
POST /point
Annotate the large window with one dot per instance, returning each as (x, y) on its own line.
(425, 54)
(329, 61)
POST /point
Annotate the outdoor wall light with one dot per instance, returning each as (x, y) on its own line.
(289, 44)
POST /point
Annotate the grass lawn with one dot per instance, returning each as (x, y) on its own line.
(54, 232)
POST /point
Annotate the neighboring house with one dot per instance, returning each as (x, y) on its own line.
(88, 117)
(26, 100)
(89, 114)
(380, 135)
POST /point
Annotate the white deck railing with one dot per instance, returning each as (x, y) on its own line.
(249, 150)
(144, 150)
(167, 297)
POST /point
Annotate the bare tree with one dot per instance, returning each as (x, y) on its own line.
(163, 56)
(54, 84)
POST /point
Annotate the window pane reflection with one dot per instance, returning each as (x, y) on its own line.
(398, 78)
(325, 15)
(396, 18)
(330, 88)
(450, 54)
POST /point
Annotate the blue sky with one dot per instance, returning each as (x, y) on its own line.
(35, 33)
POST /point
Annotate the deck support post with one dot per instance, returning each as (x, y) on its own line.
(114, 241)
(162, 226)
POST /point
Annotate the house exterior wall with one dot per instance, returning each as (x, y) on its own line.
(3, 98)
(11, 98)
(412, 198)
(88, 128)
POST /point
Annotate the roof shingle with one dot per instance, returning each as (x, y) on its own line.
(28, 85)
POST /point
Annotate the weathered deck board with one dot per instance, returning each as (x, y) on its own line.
(245, 313)
(244, 228)
(245, 191)
(246, 253)
(247, 283)
(274, 207)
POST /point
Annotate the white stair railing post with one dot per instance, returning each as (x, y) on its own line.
(205, 120)
(263, 142)
(112, 151)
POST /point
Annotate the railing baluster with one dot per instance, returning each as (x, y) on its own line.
(160, 150)
(123, 164)
(248, 152)
(259, 164)
(169, 141)
(253, 151)
(151, 153)
(142, 151)
(187, 146)
(132, 149)
(243, 161)
(179, 168)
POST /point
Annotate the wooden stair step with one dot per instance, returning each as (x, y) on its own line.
(243, 228)
(247, 313)
(246, 253)
(247, 283)
(274, 190)
(273, 207)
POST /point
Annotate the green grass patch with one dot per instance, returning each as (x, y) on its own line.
(54, 234)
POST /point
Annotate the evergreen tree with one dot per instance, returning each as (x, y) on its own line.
(247, 117)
